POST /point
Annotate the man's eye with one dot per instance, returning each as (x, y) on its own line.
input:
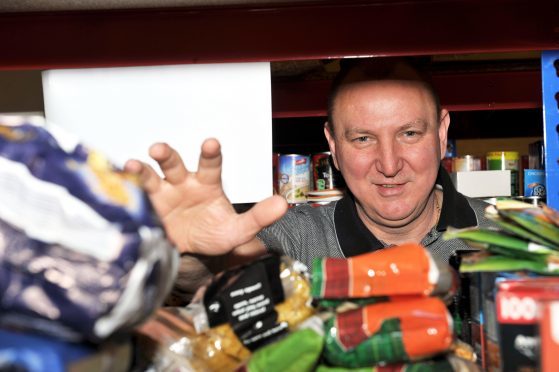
(361, 139)
(410, 133)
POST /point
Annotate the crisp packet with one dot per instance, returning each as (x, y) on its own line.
(248, 307)
(296, 352)
(82, 255)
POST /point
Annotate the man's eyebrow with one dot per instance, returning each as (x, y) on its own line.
(355, 130)
(413, 124)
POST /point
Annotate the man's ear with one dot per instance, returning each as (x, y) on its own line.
(331, 143)
(443, 131)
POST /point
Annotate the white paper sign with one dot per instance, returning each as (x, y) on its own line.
(122, 111)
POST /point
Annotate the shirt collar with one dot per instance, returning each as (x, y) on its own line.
(354, 237)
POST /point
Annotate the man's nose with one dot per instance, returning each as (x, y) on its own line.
(389, 161)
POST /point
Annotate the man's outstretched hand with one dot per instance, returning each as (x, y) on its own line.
(197, 215)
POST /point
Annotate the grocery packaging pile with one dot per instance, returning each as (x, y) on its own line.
(380, 311)
(528, 240)
(82, 257)
(515, 284)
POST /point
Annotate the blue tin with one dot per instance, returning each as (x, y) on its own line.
(534, 182)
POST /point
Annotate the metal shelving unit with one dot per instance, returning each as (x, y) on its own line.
(550, 84)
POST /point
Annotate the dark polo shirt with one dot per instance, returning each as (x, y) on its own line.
(335, 230)
(354, 237)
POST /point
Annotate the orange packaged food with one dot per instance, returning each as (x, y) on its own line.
(403, 270)
(388, 332)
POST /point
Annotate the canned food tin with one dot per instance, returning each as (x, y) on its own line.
(534, 182)
(294, 177)
(275, 172)
(466, 163)
(447, 164)
(323, 173)
(506, 160)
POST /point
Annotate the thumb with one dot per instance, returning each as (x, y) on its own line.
(262, 214)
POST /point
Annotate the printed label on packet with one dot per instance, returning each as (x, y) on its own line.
(248, 305)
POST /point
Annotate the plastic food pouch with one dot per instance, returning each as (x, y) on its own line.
(388, 332)
(164, 342)
(81, 252)
(513, 228)
(297, 352)
(402, 270)
(531, 218)
(248, 307)
(169, 341)
(515, 251)
(448, 363)
(485, 262)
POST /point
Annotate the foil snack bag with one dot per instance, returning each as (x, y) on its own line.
(82, 255)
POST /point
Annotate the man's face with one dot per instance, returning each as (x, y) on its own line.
(388, 143)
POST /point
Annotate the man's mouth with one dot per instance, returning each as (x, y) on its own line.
(390, 185)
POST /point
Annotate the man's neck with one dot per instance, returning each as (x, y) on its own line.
(412, 232)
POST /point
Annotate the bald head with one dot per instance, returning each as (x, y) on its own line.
(376, 70)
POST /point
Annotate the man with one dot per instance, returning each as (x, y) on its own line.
(387, 135)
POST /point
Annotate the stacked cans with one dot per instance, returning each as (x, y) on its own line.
(466, 163)
(306, 178)
(506, 160)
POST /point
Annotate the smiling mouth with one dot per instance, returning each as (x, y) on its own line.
(390, 185)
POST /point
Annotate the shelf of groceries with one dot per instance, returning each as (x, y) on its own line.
(68, 305)
(313, 178)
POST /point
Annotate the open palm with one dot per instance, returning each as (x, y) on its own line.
(197, 215)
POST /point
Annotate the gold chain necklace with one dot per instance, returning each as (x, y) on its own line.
(437, 208)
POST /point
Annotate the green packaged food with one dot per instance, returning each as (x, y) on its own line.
(448, 363)
(297, 352)
(388, 332)
(504, 244)
(515, 229)
(498, 263)
(531, 218)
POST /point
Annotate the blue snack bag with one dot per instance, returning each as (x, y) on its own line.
(82, 255)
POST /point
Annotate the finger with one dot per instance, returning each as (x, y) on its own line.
(149, 179)
(170, 162)
(209, 165)
(262, 214)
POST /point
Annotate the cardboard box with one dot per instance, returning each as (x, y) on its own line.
(483, 184)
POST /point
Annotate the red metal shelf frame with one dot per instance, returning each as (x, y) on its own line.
(297, 31)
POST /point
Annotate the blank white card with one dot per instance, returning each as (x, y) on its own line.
(122, 111)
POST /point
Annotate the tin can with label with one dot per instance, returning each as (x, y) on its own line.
(275, 172)
(466, 163)
(294, 177)
(534, 182)
(323, 172)
(506, 160)
(447, 164)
